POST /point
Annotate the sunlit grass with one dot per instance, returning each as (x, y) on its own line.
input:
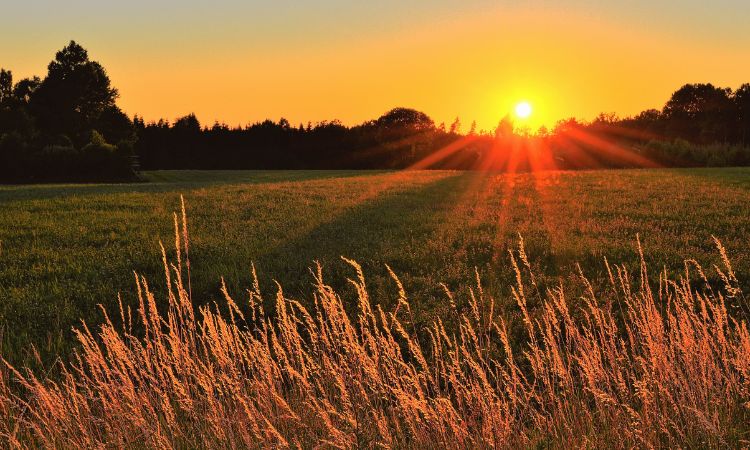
(632, 364)
(66, 249)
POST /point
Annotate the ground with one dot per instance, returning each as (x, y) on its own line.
(66, 248)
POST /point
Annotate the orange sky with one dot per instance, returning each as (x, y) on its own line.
(477, 61)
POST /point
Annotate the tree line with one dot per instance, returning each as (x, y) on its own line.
(67, 127)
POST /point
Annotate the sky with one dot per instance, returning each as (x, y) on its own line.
(238, 62)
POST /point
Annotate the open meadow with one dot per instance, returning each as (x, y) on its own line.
(476, 310)
(67, 248)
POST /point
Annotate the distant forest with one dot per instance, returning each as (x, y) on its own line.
(67, 127)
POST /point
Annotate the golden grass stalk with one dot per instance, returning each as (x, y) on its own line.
(668, 367)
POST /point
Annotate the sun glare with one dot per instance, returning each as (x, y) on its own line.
(523, 110)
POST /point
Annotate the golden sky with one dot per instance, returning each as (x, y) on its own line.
(239, 62)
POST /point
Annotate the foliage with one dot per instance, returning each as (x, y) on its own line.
(46, 125)
(73, 95)
(405, 121)
(713, 155)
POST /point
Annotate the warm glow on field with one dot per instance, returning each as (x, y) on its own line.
(523, 110)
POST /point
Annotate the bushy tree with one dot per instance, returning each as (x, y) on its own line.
(46, 126)
(25, 88)
(187, 124)
(6, 85)
(15, 123)
(73, 96)
(700, 112)
(12, 147)
(742, 103)
(405, 120)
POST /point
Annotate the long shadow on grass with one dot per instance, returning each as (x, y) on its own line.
(388, 229)
(421, 233)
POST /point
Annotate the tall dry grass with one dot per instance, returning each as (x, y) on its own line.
(636, 366)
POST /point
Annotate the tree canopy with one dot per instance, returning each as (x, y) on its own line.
(405, 119)
(46, 123)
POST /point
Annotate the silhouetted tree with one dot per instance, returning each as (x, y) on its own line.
(14, 117)
(699, 112)
(187, 124)
(25, 88)
(649, 116)
(73, 96)
(115, 125)
(405, 119)
(6, 85)
(46, 126)
(455, 126)
(504, 128)
(567, 125)
(742, 103)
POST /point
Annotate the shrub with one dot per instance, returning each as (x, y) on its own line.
(13, 150)
(57, 161)
(103, 161)
(683, 153)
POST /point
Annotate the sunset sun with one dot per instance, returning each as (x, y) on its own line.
(523, 110)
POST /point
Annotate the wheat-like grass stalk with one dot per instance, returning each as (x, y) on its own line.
(636, 368)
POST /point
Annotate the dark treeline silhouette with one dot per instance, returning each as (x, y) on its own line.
(395, 140)
(68, 127)
(701, 125)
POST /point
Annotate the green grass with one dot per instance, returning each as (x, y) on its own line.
(66, 248)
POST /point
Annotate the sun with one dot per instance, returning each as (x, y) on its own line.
(523, 110)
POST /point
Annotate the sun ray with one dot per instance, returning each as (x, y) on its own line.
(610, 149)
(443, 153)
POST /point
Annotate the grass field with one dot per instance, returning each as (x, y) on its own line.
(599, 361)
(66, 248)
